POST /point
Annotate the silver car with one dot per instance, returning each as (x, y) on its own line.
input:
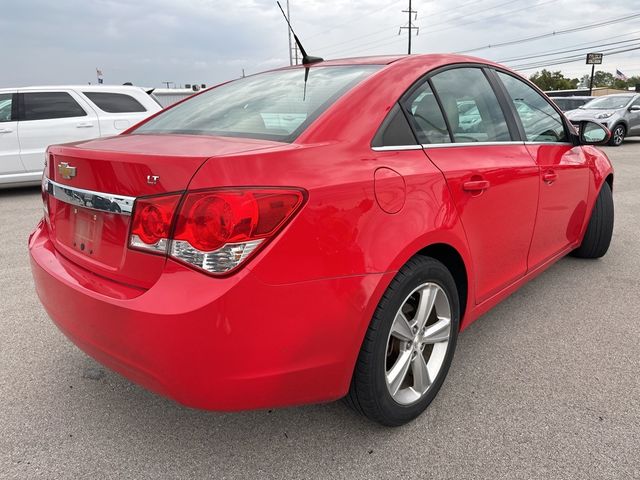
(620, 113)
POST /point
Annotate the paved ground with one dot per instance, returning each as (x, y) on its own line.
(544, 386)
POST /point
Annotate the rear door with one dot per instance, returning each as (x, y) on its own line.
(492, 178)
(9, 147)
(50, 118)
(564, 173)
(118, 111)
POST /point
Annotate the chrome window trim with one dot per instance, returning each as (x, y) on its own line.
(100, 201)
(470, 144)
(392, 148)
(548, 143)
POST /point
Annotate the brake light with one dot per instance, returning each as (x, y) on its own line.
(215, 230)
(151, 223)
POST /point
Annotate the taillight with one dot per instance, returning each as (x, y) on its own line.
(151, 223)
(215, 230)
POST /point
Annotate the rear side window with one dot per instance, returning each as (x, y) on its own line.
(471, 106)
(115, 102)
(541, 122)
(47, 105)
(6, 102)
(426, 115)
(394, 131)
(274, 105)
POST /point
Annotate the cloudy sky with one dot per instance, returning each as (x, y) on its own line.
(208, 41)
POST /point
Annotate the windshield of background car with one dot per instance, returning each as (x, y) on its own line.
(273, 106)
(608, 103)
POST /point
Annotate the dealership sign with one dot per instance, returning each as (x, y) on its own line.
(594, 58)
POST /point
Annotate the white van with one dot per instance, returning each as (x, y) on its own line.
(33, 118)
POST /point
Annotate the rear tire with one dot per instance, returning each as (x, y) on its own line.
(597, 238)
(428, 356)
(617, 135)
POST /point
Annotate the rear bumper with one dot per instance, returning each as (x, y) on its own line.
(219, 344)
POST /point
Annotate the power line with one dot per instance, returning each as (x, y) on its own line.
(328, 48)
(558, 52)
(432, 31)
(572, 58)
(556, 33)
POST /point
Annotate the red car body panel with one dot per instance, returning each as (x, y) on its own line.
(286, 328)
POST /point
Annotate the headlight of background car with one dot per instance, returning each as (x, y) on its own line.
(604, 115)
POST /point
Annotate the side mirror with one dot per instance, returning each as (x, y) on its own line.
(634, 108)
(592, 133)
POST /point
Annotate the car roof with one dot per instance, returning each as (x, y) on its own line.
(97, 88)
(427, 61)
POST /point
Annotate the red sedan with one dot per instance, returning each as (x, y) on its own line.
(307, 234)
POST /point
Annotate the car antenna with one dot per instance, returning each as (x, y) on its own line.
(306, 59)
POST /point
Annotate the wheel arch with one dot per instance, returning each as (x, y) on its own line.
(452, 259)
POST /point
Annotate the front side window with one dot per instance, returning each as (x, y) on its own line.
(6, 102)
(541, 122)
(274, 105)
(471, 106)
(115, 102)
(47, 105)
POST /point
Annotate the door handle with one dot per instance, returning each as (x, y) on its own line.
(475, 185)
(550, 176)
(5, 130)
(84, 125)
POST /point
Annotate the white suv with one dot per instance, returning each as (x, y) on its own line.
(33, 118)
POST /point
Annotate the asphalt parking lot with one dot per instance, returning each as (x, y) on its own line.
(545, 385)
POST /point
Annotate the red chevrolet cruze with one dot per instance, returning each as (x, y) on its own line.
(307, 234)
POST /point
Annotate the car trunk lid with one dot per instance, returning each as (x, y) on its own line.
(93, 186)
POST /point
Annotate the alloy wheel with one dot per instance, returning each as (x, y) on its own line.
(618, 135)
(417, 343)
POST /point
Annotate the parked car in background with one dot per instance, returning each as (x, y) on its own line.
(620, 113)
(316, 232)
(33, 118)
(570, 103)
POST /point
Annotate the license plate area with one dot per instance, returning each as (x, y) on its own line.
(87, 230)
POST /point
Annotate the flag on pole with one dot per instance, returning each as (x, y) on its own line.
(621, 76)
(99, 75)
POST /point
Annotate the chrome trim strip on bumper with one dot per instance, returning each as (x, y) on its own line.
(104, 202)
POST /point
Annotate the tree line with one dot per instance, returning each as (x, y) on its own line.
(547, 80)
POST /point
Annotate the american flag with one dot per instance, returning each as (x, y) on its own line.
(621, 76)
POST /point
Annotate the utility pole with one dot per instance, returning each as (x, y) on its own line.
(168, 83)
(410, 26)
(293, 48)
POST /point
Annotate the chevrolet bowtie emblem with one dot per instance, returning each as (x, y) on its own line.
(66, 171)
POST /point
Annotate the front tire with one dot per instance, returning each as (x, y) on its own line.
(617, 135)
(597, 238)
(409, 345)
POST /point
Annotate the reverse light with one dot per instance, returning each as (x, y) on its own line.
(215, 230)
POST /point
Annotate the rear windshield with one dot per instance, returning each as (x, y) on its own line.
(273, 106)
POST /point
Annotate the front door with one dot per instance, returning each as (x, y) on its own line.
(634, 118)
(564, 173)
(50, 118)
